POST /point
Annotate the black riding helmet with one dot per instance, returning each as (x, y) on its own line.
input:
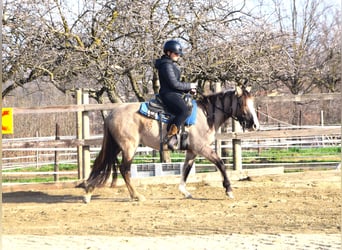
(174, 47)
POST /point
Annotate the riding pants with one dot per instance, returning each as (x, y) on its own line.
(177, 106)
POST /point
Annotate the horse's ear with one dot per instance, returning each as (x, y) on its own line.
(238, 91)
(248, 88)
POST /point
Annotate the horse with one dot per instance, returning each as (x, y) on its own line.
(125, 128)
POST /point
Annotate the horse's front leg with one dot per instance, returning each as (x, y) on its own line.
(189, 161)
(212, 156)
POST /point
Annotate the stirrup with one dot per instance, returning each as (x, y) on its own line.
(172, 142)
(184, 140)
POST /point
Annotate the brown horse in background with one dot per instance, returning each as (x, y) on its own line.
(125, 128)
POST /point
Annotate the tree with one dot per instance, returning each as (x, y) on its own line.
(108, 47)
(301, 53)
(328, 61)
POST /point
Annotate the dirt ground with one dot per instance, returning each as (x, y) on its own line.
(297, 203)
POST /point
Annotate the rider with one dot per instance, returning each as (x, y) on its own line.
(172, 89)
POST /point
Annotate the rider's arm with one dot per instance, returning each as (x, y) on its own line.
(171, 75)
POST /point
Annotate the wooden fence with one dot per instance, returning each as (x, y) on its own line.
(83, 141)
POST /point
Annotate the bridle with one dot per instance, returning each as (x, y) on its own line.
(235, 105)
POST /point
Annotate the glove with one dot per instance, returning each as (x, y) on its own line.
(193, 91)
(193, 85)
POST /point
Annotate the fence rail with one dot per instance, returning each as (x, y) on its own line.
(316, 131)
(8, 144)
(43, 149)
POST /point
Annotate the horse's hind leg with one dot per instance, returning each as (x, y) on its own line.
(114, 178)
(189, 161)
(125, 170)
(89, 191)
(114, 174)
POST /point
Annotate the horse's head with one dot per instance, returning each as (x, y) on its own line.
(243, 109)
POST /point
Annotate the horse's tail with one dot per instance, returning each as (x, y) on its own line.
(103, 163)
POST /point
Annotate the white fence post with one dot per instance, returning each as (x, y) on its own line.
(79, 134)
(237, 154)
(218, 143)
(86, 135)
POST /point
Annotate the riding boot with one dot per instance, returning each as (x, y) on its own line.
(171, 137)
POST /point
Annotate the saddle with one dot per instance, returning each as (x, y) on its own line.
(156, 105)
(156, 109)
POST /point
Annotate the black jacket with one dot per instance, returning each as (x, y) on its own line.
(169, 76)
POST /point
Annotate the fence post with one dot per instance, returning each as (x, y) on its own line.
(237, 155)
(79, 135)
(258, 114)
(322, 125)
(322, 118)
(37, 152)
(86, 135)
(56, 167)
(218, 143)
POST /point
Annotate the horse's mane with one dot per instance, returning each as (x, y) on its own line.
(206, 101)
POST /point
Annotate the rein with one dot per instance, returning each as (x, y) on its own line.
(231, 112)
(226, 114)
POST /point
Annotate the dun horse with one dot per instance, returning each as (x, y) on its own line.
(125, 128)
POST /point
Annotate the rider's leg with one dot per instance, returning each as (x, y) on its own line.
(177, 106)
(171, 137)
(173, 130)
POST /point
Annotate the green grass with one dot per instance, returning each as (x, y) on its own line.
(39, 179)
(35, 179)
(47, 168)
(295, 155)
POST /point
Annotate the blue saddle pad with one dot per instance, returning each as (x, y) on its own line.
(167, 117)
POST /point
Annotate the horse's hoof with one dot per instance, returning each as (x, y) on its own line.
(86, 198)
(188, 196)
(141, 198)
(185, 192)
(230, 194)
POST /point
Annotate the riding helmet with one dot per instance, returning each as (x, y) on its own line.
(173, 46)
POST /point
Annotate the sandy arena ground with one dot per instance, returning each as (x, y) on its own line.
(286, 211)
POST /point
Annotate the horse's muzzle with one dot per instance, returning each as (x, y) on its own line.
(255, 127)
